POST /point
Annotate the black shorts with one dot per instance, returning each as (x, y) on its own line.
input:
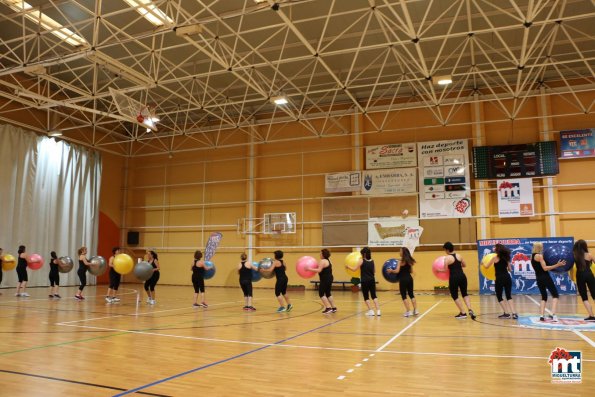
(281, 286)
(22, 273)
(369, 289)
(406, 286)
(456, 282)
(198, 283)
(545, 283)
(324, 288)
(114, 279)
(504, 284)
(246, 286)
(584, 280)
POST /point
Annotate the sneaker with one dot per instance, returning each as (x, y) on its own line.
(148, 300)
(57, 296)
(555, 318)
(590, 318)
(281, 309)
(108, 299)
(26, 295)
(515, 316)
(204, 304)
(472, 314)
(51, 296)
(333, 309)
(77, 297)
(461, 316)
(153, 301)
(246, 308)
(504, 315)
(541, 318)
(370, 313)
(289, 307)
(415, 312)
(251, 308)
(116, 299)
(327, 310)
(407, 314)
(17, 295)
(196, 305)
(378, 313)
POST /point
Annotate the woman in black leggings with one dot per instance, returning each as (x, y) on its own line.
(325, 272)
(114, 278)
(245, 272)
(457, 280)
(150, 284)
(584, 275)
(501, 263)
(544, 281)
(404, 268)
(82, 272)
(198, 279)
(281, 283)
(368, 280)
(54, 276)
(22, 272)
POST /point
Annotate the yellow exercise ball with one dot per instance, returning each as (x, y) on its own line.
(490, 272)
(352, 260)
(123, 263)
(9, 262)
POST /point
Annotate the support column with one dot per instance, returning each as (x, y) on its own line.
(482, 196)
(549, 193)
(250, 193)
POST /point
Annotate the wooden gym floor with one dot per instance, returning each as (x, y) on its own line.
(90, 348)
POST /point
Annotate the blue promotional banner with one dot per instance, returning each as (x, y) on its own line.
(212, 244)
(577, 143)
(523, 276)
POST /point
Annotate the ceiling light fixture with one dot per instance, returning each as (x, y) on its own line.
(55, 133)
(279, 100)
(49, 24)
(444, 80)
(150, 11)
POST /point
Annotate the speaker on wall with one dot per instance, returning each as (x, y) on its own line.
(132, 238)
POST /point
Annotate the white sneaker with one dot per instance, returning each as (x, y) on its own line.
(378, 313)
(17, 294)
(370, 313)
(152, 302)
(108, 299)
(555, 318)
(115, 299)
(415, 312)
(407, 314)
(26, 295)
(148, 300)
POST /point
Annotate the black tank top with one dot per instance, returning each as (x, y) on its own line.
(539, 272)
(405, 268)
(82, 265)
(154, 265)
(586, 268)
(22, 262)
(327, 272)
(245, 273)
(53, 266)
(501, 267)
(280, 271)
(198, 271)
(456, 268)
(367, 270)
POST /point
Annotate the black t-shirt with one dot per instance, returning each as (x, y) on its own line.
(367, 270)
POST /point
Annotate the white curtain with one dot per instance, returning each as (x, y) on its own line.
(49, 195)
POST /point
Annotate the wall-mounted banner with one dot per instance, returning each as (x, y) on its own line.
(389, 232)
(391, 156)
(577, 143)
(393, 181)
(523, 276)
(343, 182)
(444, 183)
(412, 236)
(515, 198)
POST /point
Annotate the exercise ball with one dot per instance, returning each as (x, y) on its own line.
(489, 273)
(256, 276)
(209, 270)
(303, 265)
(440, 269)
(352, 260)
(392, 265)
(123, 263)
(266, 268)
(97, 266)
(143, 271)
(34, 262)
(65, 264)
(558, 252)
(9, 262)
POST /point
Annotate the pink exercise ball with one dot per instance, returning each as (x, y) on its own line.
(35, 262)
(439, 268)
(304, 264)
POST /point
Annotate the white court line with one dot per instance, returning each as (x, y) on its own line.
(537, 303)
(64, 298)
(341, 377)
(407, 327)
(585, 337)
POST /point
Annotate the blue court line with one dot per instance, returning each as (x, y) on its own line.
(136, 389)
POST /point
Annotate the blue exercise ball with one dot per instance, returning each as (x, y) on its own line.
(557, 252)
(256, 276)
(390, 277)
(210, 270)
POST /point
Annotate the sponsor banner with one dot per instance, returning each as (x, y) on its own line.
(393, 181)
(391, 156)
(444, 175)
(412, 236)
(523, 275)
(343, 182)
(515, 198)
(212, 244)
(577, 143)
(391, 231)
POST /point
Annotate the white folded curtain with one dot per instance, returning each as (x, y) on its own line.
(49, 200)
